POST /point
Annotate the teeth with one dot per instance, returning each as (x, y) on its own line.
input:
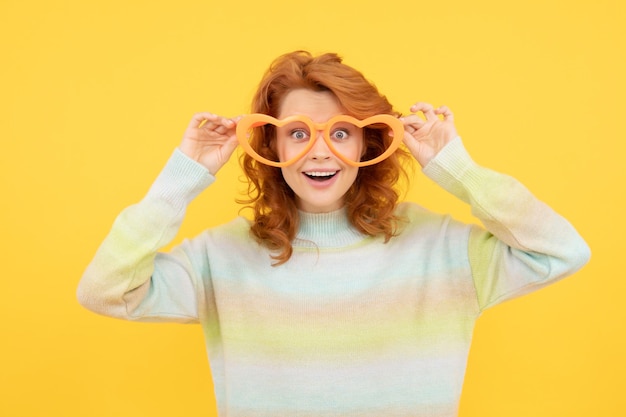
(320, 174)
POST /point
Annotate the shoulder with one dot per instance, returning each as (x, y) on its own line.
(410, 209)
(236, 229)
(415, 219)
(413, 214)
(228, 241)
(431, 244)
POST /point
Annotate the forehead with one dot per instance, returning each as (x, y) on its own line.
(317, 105)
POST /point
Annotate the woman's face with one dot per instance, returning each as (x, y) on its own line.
(320, 179)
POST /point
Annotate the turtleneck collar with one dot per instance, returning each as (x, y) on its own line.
(326, 230)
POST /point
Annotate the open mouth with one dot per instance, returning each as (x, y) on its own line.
(321, 175)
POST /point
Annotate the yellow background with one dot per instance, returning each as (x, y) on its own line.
(95, 95)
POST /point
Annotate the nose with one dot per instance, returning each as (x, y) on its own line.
(320, 149)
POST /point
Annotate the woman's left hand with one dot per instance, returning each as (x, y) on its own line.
(425, 138)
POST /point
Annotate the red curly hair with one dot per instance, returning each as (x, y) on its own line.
(372, 199)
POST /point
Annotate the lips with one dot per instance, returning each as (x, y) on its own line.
(320, 175)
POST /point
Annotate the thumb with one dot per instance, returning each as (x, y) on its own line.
(229, 147)
(222, 155)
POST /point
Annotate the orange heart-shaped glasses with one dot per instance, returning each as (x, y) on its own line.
(250, 121)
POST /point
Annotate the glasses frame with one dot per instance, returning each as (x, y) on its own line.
(253, 120)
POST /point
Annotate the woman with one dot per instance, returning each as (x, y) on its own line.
(334, 300)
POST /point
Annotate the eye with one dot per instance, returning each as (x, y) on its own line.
(299, 134)
(340, 134)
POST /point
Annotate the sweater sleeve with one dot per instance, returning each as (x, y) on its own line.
(128, 278)
(526, 245)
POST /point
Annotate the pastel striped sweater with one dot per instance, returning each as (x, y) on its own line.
(349, 326)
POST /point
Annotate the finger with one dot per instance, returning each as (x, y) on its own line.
(426, 108)
(221, 125)
(231, 145)
(446, 112)
(210, 121)
(227, 123)
(220, 129)
(413, 121)
(218, 124)
(199, 118)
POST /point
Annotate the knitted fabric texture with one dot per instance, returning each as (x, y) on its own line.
(350, 325)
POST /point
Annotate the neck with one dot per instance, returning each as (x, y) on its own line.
(326, 230)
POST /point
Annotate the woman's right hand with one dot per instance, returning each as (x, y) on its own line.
(210, 140)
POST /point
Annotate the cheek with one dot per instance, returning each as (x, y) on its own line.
(353, 150)
(284, 150)
(359, 144)
(288, 175)
(280, 149)
(360, 149)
